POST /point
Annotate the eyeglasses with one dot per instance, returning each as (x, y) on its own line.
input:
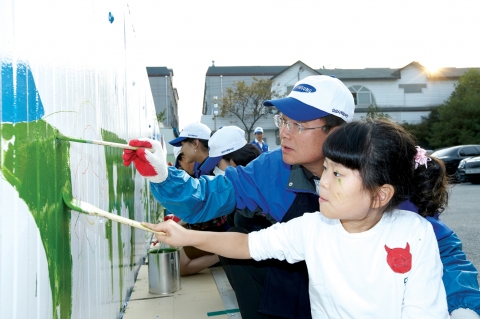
(294, 128)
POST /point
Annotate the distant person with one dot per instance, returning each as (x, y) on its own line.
(365, 257)
(258, 141)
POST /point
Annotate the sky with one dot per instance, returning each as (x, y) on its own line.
(186, 35)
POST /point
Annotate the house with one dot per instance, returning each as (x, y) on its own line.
(406, 94)
(165, 98)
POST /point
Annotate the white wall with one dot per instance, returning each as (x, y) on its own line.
(66, 66)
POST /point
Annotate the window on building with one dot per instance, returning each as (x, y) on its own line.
(362, 95)
(289, 89)
(412, 88)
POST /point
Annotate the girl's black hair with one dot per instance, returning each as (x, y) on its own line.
(190, 140)
(243, 156)
(383, 152)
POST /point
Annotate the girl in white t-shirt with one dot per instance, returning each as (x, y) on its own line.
(365, 258)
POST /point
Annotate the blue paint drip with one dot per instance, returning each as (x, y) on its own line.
(20, 99)
(110, 17)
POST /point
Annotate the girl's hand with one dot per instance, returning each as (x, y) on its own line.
(175, 235)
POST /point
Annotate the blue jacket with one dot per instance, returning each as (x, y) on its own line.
(262, 149)
(195, 200)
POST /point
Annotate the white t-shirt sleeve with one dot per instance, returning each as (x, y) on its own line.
(425, 278)
(283, 241)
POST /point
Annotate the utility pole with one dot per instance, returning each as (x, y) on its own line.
(215, 112)
(166, 97)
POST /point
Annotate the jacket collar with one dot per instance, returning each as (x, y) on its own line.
(298, 182)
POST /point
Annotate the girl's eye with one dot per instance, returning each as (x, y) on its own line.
(336, 174)
(324, 168)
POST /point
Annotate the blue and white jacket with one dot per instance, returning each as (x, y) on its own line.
(262, 149)
(270, 184)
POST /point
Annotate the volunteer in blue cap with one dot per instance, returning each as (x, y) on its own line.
(227, 147)
(258, 141)
(284, 184)
(194, 142)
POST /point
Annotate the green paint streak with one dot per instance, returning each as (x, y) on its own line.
(154, 212)
(37, 166)
(162, 251)
(108, 236)
(120, 193)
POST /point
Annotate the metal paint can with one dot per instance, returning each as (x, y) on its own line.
(164, 271)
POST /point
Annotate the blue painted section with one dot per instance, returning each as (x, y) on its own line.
(20, 99)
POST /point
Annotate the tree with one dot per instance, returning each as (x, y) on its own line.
(161, 116)
(374, 112)
(422, 131)
(459, 117)
(246, 101)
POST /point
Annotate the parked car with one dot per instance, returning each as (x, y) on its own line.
(469, 170)
(452, 156)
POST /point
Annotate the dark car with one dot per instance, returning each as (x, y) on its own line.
(452, 156)
(469, 170)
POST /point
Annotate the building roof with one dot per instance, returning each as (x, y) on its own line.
(159, 71)
(245, 70)
(342, 74)
(361, 74)
(451, 72)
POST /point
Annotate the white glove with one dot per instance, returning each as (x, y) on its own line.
(153, 166)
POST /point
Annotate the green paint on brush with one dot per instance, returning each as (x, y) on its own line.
(119, 194)
(38, 168)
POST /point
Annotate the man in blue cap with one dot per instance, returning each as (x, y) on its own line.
(284, 184)
(258, 141)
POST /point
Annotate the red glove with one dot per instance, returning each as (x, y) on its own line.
(172, 217)
(151, 165)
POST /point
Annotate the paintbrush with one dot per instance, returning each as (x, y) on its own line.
(60, 136)
(83, 207)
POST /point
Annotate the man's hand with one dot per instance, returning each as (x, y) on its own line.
(150, 165)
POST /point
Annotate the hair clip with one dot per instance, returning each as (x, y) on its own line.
(421, 157)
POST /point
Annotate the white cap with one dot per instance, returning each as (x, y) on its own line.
(176, 151)
(226, 140)
(258, 130)
(195, 130)
(314, 97)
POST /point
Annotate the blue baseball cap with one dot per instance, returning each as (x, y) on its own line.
(195, 130)
(314, 97)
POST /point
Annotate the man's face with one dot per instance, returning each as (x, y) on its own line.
(304, 148)
(259, 136)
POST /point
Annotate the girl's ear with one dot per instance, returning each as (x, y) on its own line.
(383, 195)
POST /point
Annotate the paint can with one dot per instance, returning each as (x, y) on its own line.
(164, 271)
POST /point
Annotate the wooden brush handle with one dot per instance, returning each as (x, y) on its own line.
(84, 207)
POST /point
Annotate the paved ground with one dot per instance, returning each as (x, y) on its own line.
(463, 217)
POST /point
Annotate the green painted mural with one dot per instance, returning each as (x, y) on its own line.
(37, 167)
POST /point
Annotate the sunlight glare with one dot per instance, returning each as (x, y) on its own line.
(432, 67)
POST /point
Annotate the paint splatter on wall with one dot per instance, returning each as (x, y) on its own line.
(81, 76)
